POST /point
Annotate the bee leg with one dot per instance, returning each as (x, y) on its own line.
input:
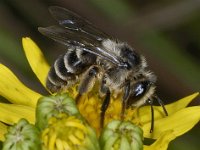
(87, 82)
(125, 98)
(78, 97)
(104, 107)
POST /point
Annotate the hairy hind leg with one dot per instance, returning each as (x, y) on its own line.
(87, 81)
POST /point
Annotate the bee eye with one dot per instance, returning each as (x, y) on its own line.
(141, 88)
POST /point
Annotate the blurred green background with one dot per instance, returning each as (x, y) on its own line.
(166, 32)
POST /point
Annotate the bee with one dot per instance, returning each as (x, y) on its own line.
(93, 56)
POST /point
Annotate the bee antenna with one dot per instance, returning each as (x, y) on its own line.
(150, 102)
(162, 104)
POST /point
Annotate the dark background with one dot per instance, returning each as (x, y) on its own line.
(166, 32)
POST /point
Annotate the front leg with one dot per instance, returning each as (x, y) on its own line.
(125, 98)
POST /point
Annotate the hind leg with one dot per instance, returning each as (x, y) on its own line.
(87, 81)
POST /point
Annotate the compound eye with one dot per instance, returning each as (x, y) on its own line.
(141, 88)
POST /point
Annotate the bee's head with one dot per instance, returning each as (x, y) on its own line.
(141, 90)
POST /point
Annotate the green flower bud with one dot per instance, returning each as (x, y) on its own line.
(69, 132)
(22, 136)
(121, 135)
(52, 106)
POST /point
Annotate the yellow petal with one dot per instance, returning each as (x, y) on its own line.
(14, 91)
(36, 59)
(144, 113)
(3, 130)
(12, 113)
(180, 122)
(180, 104)
(162, 142)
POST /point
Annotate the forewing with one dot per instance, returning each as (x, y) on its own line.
(67, 37)
(76, 38)
(73, 21)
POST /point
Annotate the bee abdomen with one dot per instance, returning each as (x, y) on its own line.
(65, 70)
(59, 76)
(73, 63)
(61, 70)
(54, 82)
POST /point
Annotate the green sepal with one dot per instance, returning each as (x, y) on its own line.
(91, 141)
(120, 135)
(22, 136)
(51, 106)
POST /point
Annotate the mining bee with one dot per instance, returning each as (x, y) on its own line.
(93, 56)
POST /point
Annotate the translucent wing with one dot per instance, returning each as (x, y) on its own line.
(71, 38)
(73, 21)
(75, 31)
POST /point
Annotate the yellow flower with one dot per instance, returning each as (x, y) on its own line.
(69, 132)
(23, 102)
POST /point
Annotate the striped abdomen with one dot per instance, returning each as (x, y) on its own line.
(67, 68)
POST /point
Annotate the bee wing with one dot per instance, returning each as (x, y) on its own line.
(75, 38)
(73, 30)
(72, 21)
